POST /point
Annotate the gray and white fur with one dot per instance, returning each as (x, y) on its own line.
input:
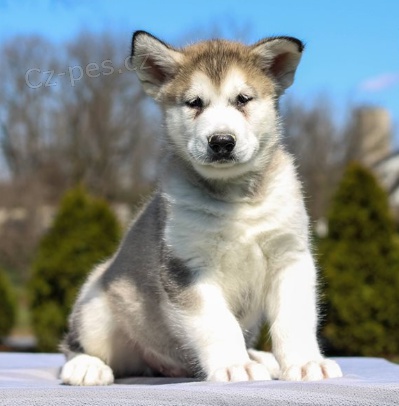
(223, 244)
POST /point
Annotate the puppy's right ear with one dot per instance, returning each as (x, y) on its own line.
(154, 62)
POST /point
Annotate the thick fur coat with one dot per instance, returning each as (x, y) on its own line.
(222, 246)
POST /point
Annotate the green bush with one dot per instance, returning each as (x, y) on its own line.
(361, 267)
(84, 233)
(7, 305)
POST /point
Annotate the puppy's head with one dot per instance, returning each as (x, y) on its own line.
(219, 97)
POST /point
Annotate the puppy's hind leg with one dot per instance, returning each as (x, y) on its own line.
(118, 358)
(85, 369)
(87, 346)
(80, 368)
(96, 348)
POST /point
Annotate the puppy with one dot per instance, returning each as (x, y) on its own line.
(223, 244)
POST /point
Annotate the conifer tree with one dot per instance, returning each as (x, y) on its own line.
(360, 263)
(84, 232)
(7, 305)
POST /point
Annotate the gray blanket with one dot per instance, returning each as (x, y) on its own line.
(32, 379)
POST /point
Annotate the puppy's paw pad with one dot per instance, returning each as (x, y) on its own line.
(251, 371)
(85, 370)
(312, 371)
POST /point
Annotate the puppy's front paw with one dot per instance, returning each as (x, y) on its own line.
(251, 371)
(85, 370)
(267, 359)
(312, 371)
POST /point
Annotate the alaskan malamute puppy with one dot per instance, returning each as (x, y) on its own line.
(223, 244)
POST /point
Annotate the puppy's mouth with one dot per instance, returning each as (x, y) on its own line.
(230, 159)
(217, 162)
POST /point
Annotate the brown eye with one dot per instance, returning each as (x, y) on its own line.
(196, 103)
(242, 100)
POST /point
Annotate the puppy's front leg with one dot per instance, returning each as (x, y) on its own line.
(291, 308)
(214, 334)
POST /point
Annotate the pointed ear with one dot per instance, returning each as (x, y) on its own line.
(154, 61)
(279, 57)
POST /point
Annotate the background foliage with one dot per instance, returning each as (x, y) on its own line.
(361, 267)
(7, 305)
(84, 232)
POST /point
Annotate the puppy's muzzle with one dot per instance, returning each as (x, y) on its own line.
(222, 145)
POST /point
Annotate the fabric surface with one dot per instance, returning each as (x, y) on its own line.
(32, 379)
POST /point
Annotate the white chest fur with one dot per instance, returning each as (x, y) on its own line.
(226, 251)
(233, 245)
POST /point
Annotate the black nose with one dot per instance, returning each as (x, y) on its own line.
(222, 145)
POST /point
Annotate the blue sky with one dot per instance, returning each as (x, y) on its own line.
(352, 47)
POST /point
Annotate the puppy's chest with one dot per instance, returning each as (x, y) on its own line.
(228, 248)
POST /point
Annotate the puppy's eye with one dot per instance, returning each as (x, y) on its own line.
(242, 100)
(196, 103)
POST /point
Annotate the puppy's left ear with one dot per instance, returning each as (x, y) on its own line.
(279, 57)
